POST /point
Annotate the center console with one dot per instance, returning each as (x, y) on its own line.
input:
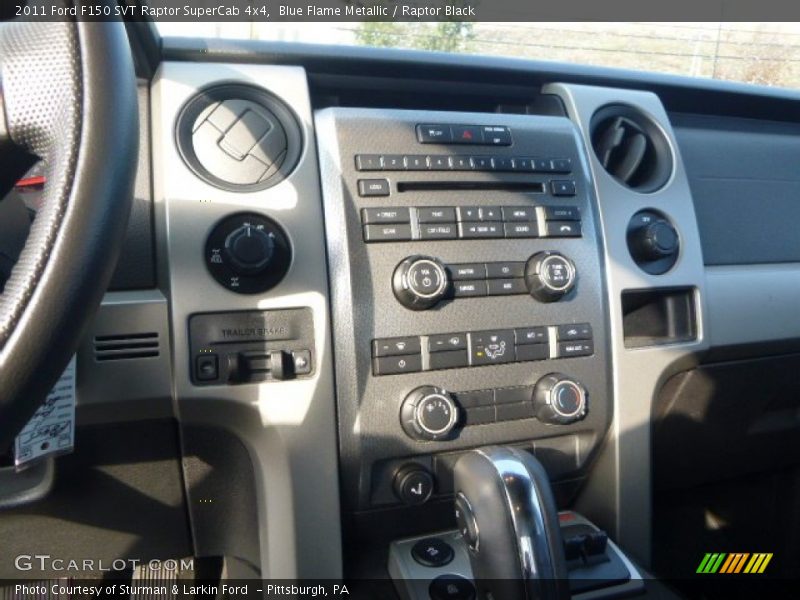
(468, 297)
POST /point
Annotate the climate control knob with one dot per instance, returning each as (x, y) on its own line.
(428, 413)
(559, 399)
(419, 282)
(550, 276)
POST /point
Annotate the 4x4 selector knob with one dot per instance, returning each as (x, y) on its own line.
(428, 413)
(249, 249)
(550, 276)
(419, 282)
(559, 399)
(653, 241)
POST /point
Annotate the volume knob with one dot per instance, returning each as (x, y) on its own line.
(419, 282)
(428, 413)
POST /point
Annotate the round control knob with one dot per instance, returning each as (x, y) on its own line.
(413, 484)
(419, 282)
(248, 253)
(428, 413)
(559, 399)
(249, 249)
(550, 276)
(654, 241)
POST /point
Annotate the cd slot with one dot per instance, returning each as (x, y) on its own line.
(476, 186)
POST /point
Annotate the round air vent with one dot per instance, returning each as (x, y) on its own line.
(631, 147)
(238, 137)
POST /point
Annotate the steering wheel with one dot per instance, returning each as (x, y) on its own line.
(68, 97)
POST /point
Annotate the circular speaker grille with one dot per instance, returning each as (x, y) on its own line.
(239, 138)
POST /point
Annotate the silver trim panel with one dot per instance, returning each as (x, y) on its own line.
(618, 495)
(289, 428)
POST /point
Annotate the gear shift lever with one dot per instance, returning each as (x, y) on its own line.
(507, 515)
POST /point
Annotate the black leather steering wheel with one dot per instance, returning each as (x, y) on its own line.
(69, 98)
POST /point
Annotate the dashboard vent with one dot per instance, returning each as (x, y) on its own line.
(631, 148)
(126, 346)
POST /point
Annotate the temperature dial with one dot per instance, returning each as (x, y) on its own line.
(428, 413)
(419, 282)
(550, 276)
(559, 399)
(247, 253)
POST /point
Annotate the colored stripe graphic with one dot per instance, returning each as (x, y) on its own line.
(735, 562)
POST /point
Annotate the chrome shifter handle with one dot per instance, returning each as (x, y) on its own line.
(507, 514)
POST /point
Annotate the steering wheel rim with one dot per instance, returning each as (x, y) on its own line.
(68, 97)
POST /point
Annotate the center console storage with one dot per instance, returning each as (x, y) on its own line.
(467, 294)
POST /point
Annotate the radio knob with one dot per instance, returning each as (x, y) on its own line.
(428, 413)
(559, 399)
(549, 276)
(420, 282)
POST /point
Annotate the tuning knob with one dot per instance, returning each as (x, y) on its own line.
(549, 276)
(559, 399)
(249, 249)
(419, 282)
(428, 413)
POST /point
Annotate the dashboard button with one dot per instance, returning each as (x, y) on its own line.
(522, 164)
(461, 163)
(503, 163)
(438, 163)
(542, 165)
(453, 359)
(434, 134)
(533, 352)
(521, 230)
(563, 229)
(440, 231)
(447, 341)
(475, 398)
(436, 214)
(466, 134)
(505, 269)
(432, 552)
(393, 162)
(513, 395)
(562, 188)
(385, 215)
(387, 233)
(207, 367)
(491, 347)
(469, 213)
(577, 348)
(394, 365)
(562, 213)
(469, 288)
(369, 162)
(531, 335)
(513, 412)
(562, 165)
(491, 213)
(416, 162)
(482, 163)
(451, 587)
(504, 287)
(413, 484)
(467, 271)
(373, 187)
(480, 415)
(574, 331)
(480, 230)
(396, 346)
(496, 135)
(519, 213)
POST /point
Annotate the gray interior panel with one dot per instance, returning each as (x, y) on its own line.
(746, 187)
